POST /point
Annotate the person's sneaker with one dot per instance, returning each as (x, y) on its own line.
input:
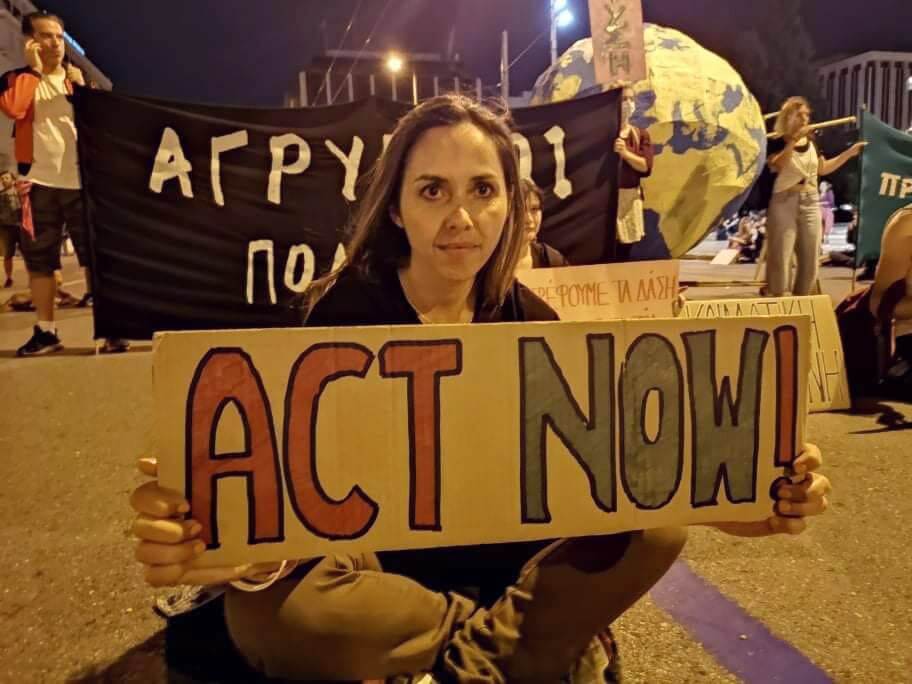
(42, 342)
(114, 345)
(186, 599)
(8, 284)
(66, 300)
(867, 274)
(86, 301)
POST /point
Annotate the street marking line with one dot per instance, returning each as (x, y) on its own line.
(739, 642)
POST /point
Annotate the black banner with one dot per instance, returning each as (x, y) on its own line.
(215, 217)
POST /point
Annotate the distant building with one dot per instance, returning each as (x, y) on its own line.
(339, 76)
(12, 46)
(879, 81)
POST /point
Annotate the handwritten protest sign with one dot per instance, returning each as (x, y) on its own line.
(618, 44)
(828, 385)
(295, 443)
(642, 289)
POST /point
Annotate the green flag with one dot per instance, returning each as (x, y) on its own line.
(886, 181)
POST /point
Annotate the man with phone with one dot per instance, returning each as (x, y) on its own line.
(37, 98)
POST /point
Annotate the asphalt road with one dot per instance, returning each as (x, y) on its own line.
(73, 606)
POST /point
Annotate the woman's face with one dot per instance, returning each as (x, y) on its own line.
(533, 217)
(628, 103)
(453, 204)
(801, 117)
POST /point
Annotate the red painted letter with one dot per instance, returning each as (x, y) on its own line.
(423, 364)
(223, 377)
(313, 371)
(786, 394)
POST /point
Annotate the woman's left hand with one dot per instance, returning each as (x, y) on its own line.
(856, 149)
(620, 146)
(802, 495)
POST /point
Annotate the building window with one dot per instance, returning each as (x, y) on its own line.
(843, 81)
(899, 92)
(870, 81)
(830, 94)
(884, 112)
(856, 76)
(908, 84)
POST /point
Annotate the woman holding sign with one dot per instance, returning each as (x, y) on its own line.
(634, 147)
(437, 239)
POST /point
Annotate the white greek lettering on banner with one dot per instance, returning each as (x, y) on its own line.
(352, 164)
(171, 162)
(220, 145)
(307, 271)
(906, 188)
(278, 145)
(525, 155)
(252, 249)
(339, 259)
(889, 183)
(563, 188)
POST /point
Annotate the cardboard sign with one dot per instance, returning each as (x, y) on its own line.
(297, 443)
(618, 44)
(641, 289)
(828, 385)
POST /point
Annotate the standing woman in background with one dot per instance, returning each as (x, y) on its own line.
(535, 253)
(635, 150)
(793, 219)
(827, 208)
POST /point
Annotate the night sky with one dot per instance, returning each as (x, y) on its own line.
(240, 52)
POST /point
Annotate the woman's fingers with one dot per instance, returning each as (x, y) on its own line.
(152, 500)
(148, 466)
(814, 486)
(151, 553)
(207, 576)
(815, 506)
(174, 575)
(164, 575)
(781, 525)
(808, 460)
(165, 530)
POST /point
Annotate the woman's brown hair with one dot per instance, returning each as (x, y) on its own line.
(531, 189)
(378, 245)
(789, 107)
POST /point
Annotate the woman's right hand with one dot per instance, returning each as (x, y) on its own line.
(168, 543)
(801, 134)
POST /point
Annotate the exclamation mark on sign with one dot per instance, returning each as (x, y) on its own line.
(786, 394)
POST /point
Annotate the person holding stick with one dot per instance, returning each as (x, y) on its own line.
(793, 219)
(634, 147)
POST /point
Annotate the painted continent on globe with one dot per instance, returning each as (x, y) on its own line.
(707, 129)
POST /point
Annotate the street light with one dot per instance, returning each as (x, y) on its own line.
(394, 64)
(561, 17)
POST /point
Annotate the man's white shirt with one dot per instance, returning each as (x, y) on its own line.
(55, 158)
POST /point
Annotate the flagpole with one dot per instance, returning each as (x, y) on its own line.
(505, 66)
(864, 109)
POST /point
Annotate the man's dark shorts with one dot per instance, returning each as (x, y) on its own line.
(9, 239)
(53, 209)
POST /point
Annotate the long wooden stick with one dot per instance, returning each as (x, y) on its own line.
(773, 115)
(825, 124)
(836, 122)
